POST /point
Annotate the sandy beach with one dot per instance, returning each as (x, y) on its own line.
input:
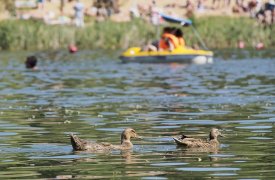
(171, 7)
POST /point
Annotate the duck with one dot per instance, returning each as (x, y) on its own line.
(190, 142)
(83, 145)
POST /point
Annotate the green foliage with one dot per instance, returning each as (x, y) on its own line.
(225, 32)
(217, 32)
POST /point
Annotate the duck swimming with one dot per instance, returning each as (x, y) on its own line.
(190, 142)
(83, 145)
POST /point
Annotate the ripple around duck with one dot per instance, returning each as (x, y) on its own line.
(8, 133)
(261, 131)
(259, 138)
(154, 178)
(111, 129)
(154, 148)
(58, 157)
(254, 127)
(165, 127)
(166, 164)
(224, 174)
(196, 169)
(192, 122)
(222, 155)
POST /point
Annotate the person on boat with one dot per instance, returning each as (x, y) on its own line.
(179, 35)
(152, 46)
(167, 42)
(168, 39)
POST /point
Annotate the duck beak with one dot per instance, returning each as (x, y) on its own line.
(220, 134)
(138, 137)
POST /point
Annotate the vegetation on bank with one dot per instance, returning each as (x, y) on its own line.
(217, 32)
(7, 5)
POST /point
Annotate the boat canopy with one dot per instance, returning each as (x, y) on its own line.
(183, 22)
(172, 19)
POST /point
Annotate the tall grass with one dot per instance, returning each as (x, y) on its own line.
(217, 32)
(225, 32)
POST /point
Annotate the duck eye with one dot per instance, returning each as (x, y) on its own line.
(133, 131)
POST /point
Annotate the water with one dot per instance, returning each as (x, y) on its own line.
(91, 94)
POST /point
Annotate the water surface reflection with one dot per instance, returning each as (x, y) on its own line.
(96, 97)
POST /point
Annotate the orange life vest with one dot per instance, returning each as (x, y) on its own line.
(181, 41)
(163, 41)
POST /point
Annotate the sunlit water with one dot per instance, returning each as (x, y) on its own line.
(93, 95)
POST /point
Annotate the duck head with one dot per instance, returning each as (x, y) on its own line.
(127, 134)
(214, 133)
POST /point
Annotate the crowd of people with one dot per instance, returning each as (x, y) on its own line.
(262, 10)
(266, 14)
(70, 11)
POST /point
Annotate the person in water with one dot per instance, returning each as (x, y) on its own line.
(31, 62)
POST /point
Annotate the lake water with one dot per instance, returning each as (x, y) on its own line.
(95, 96)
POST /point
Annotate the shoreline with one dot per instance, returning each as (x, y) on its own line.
(218, 32)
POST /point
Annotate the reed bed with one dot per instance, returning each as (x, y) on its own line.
(217, 33)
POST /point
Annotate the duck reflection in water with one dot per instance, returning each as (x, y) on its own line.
(191, 155)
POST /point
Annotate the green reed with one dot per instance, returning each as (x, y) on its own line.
(217, 32)
(225, 32)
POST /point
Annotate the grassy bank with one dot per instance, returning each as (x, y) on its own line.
(225, 32)
(217, 32)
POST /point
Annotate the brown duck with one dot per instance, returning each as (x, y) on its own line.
(83, 145)
(190, 142)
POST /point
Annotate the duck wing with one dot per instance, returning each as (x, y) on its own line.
(178, 141)
(77, 143)
(182, 140)
(83, 145)
(98, 147)
(106, 144)
(187, 141)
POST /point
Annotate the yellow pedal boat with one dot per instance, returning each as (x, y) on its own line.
(179, 55)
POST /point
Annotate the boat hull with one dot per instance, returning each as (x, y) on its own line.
(135, 55)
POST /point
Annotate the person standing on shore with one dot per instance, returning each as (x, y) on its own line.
(154, 13)
(79, 13)
(41, 4)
